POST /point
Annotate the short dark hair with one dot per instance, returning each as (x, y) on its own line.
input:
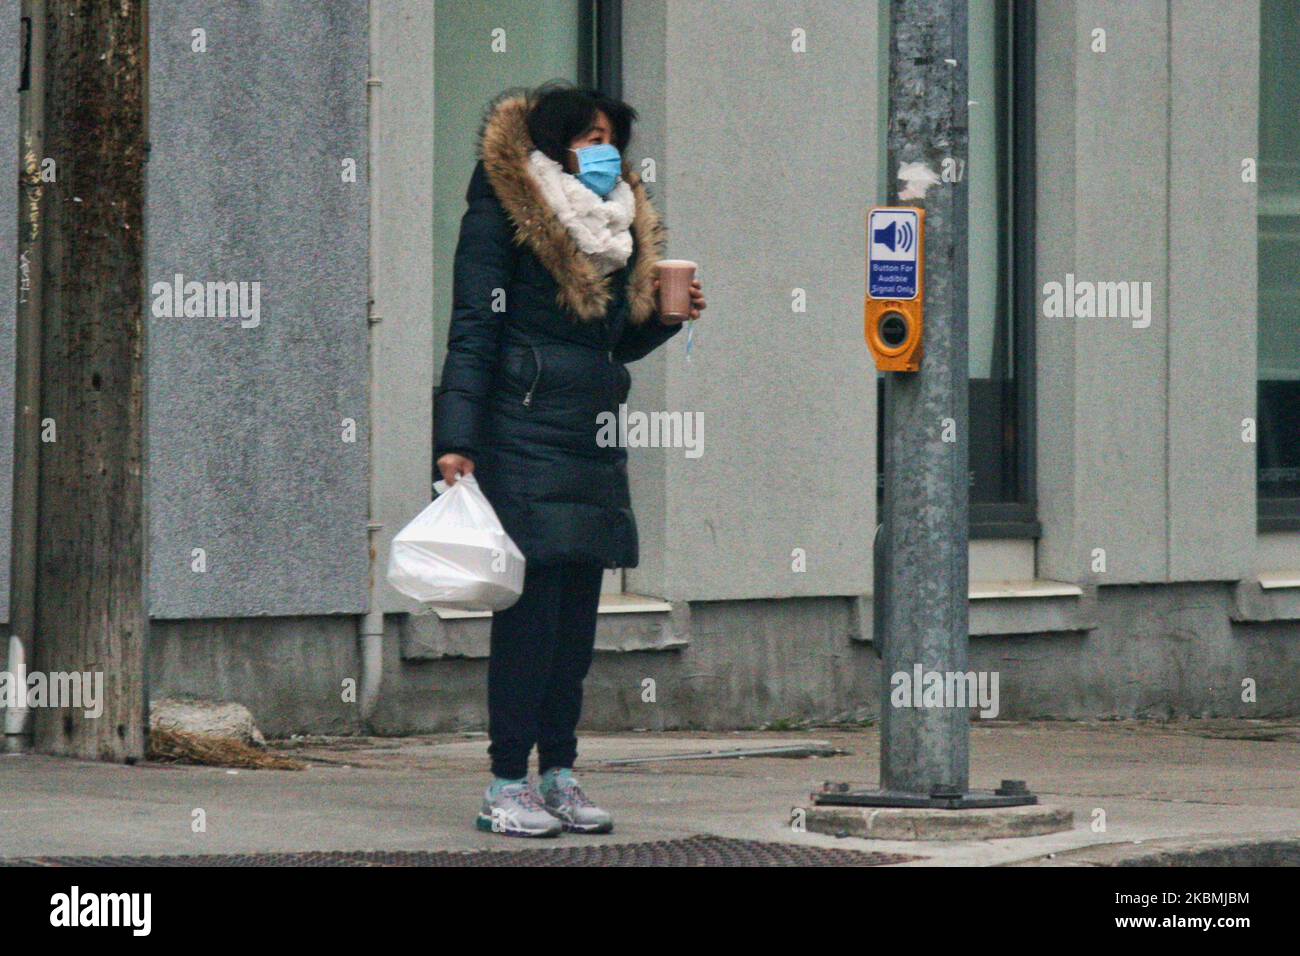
(561, 112)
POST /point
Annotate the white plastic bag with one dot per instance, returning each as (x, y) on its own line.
(455, 554)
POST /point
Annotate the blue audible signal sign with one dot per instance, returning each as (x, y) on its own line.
(892, 254)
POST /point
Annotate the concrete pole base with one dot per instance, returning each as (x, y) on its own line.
(906, 823)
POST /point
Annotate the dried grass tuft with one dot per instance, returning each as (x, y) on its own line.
(179, 746)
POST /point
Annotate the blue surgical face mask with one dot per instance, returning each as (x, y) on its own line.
(599, 167)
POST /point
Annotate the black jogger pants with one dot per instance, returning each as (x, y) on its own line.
(541, 651)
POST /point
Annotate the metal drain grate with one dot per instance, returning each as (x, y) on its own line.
(693, 851)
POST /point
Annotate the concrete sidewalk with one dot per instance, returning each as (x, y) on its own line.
(1195, 782)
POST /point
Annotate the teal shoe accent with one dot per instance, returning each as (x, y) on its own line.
(500, 783)
(555, 777)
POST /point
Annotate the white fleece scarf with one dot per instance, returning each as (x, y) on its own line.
(601, 227)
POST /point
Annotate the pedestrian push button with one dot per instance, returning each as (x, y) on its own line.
(895, 306)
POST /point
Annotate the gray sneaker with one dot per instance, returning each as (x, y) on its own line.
(565, 799)
(516, 810)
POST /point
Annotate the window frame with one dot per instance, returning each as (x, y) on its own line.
(603, 63)
(1016, 106)
(1016, 519)
(600, 62)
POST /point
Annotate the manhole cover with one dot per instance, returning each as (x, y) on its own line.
(693, 851)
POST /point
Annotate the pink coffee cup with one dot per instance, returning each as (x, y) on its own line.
(675, 277)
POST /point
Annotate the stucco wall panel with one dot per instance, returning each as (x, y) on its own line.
(247, 425)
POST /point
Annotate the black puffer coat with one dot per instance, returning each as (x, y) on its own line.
(522, 386)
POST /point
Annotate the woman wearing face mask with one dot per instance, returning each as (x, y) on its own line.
(554, 292)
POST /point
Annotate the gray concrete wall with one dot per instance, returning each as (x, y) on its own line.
(1214, 124)
(1140, 450)
(1158, 651)
(1169, 650)
(402, 269)
(247, 453)
(1118, 475)
(741, 669)
(1058, 554)
(10, 64)
(289, 671)
(645, 86)
(766, 162)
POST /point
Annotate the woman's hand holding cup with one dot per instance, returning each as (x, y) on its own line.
(678, 293)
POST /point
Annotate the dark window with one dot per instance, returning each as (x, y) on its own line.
(602, 66)
(1278, 170)
(1001, 278)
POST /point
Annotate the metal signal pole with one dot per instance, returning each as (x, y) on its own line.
(922, 588)
(925, 476)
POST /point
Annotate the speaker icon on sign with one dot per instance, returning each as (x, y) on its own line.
(896, 237)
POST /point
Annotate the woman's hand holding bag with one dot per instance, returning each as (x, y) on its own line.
(455, 553)
(453, 466)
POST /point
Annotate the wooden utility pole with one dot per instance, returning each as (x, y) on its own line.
(90, 609)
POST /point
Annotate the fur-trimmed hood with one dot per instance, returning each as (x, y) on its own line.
(504, 146)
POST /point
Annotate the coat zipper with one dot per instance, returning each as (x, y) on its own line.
(613, 368)
(537, 359)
